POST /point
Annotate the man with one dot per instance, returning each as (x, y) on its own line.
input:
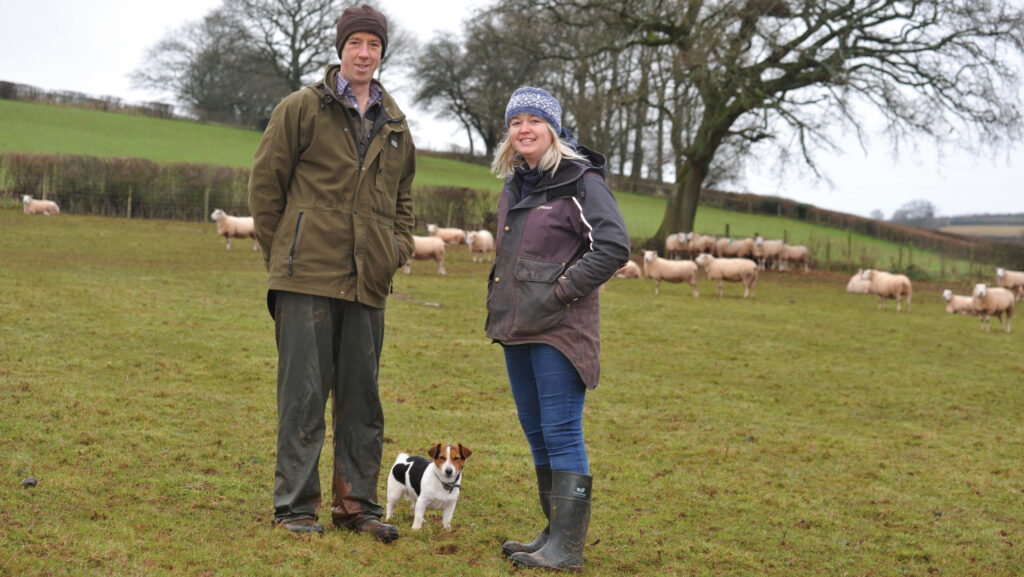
(330, 194)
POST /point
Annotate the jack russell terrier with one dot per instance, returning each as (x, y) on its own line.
(429, 485)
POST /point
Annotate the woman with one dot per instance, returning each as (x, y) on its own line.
(560, 237)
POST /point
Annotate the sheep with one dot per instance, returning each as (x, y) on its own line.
(425, 248)
(33, 206)
(958, 304)
(729, 248)
(794, 254)
(731, 269)
(699, 243)
(448, 235)
(629, 270)
(858, 285)
(889, 286)
(990, 301)
(235, 226)
(481, 244)
(767, 251)
(659, 269)
(676, 245)
(1011, 280)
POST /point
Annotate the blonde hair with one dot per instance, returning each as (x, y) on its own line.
(506, 159)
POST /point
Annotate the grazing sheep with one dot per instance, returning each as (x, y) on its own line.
(699, 243)
(426, 248)
(676, 245)
(731, 269)
(767, 251)
(858, 285)
(629, 270)
(797, 254)
(33, 206)
(958, 304)
(481, 244)
(889, 286)
(729, 248)
(659, 269)
(1012, 281)
(235, 227)
(990, 301)
(448, 235)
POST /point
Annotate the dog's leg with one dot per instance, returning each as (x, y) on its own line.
(420, 508)
(395, 491)
(446, 516)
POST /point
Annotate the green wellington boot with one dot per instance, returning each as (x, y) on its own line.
(567, 526)
(544, 491)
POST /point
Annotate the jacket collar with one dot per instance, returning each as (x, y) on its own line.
(328, 91)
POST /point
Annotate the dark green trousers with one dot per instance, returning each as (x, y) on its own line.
(327, 348)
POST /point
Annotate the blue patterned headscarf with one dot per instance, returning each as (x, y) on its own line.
(529, 100)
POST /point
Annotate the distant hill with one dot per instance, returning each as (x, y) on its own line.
(60, 132)
(1006, 227)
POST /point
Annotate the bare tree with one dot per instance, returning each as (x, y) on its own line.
(747, 71)
(237, 63)
(473, 81)
(916, 212)
(296, 36)
(208, 66)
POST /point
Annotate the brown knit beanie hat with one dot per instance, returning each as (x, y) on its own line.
(362, 19)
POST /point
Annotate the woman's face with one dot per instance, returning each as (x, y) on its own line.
(530, 137)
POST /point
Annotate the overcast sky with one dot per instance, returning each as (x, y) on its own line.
(92, 46)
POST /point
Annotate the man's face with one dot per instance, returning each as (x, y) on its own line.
(360, 57)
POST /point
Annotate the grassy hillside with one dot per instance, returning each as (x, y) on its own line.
(40, 128)
(801, 433)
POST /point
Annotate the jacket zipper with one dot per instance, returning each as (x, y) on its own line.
(295, 243)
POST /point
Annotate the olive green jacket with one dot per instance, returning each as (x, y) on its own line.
(329, 223)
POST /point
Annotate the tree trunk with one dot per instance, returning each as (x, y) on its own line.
(681, 211)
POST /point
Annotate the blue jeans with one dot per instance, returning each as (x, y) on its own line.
(549, 397)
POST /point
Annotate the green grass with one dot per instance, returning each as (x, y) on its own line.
(38, 128)
(802, 433)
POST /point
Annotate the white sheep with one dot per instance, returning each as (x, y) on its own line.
(33, 206)
(426, 248)
(676, 245)
(858, 285)
(739, 248)
(731, 269)
(659, 269)
(797, 254)
(767, 251)
(448, 235)
(958, 304)
(629, 270)
(481, 244)
(699, 243)
(889, 286)
(234, 227)
(990, 301)
(1012, 281)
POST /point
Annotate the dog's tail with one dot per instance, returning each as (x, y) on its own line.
(402, 457)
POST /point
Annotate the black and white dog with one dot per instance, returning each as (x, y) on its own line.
(429, 483)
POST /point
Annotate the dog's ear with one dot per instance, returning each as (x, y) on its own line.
(466, 452)
(433, 451)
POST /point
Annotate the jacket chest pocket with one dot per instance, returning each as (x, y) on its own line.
(537, 307)
(387, 171)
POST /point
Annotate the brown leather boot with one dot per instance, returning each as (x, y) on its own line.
(365, 524)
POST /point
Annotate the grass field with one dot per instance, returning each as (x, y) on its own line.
(802, 433)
